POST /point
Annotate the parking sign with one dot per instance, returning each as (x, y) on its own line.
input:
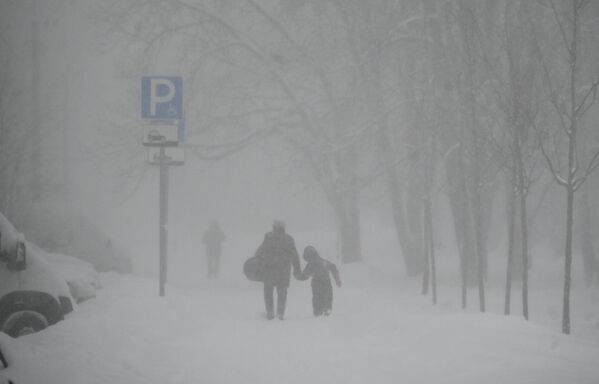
(161, 97)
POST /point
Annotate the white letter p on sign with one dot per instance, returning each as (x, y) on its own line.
(157, 99)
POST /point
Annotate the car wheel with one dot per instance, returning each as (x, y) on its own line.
(24, 323)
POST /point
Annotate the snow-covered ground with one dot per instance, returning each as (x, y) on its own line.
(216, 333)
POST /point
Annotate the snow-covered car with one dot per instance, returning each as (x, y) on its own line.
(81, 277)
(63, 229)
(12, 246)
(32, 294)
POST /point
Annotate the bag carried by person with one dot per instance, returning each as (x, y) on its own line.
(253, 268)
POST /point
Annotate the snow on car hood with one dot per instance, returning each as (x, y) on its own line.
(38, 276)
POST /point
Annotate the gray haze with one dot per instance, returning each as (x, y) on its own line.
(344, 119)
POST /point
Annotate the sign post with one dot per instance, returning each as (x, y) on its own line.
(162, 106)
(163, 219)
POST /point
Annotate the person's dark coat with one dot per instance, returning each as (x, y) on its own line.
(319, 269)
(278, 254)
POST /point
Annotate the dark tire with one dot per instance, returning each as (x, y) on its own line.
(30, 301)
(24, 323)
(65, 304)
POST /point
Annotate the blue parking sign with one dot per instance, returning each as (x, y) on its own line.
(161, 97)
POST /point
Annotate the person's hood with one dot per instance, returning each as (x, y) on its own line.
(310, 254)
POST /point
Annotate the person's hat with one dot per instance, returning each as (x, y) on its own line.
(278, 224)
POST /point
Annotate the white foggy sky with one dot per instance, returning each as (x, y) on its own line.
(87, 86)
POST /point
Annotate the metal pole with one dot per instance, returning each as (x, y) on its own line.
(35, 137)
(163, 217)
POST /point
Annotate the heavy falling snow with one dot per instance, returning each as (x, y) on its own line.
(299, 191)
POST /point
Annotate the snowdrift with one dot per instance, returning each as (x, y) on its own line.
(218, 334)
(81, 277)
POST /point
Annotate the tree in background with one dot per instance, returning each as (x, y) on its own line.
(572, 90)
(513, 68)
(357, 92)
(257, 78)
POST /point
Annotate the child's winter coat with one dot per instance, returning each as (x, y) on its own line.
(322, 290)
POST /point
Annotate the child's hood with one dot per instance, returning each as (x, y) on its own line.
(311, 254)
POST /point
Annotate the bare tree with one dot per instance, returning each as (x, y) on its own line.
(470, 167)
(272, 84)
(513, 68)
(570, 101)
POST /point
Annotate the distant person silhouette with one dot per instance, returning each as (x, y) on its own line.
(213, 239)
(278, 255)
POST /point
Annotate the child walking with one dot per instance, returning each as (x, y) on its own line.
(322, 290)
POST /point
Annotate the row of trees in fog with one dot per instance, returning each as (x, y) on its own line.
(463, 100)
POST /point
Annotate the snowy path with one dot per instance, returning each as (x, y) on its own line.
(216, 334)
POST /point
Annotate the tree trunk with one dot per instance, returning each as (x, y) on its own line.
(431, 248)
(479, 246)
(475, 201)
(568, 262)
(428, 237)
(571, 172)
(524, 229)
(522, 192)
(458, 198)
(409, 241)
(348, 228)
(433, 260)
(462, 222)
(586, 238)
(426, 250)
(410, 246)
(510, 251)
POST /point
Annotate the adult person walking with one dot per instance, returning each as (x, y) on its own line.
(278, 255)
(213, 239)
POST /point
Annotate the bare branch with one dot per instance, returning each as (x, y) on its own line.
(253, 49)
(282, 31)
(552, 91)
(592, 166)
(582, 5)
(133, 190)
(560, 180)
(233, 144)
(561, 27)
(583, 104)
(167, 31)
